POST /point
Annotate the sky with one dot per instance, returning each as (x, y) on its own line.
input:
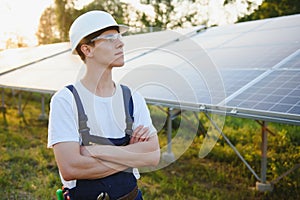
(21, 17)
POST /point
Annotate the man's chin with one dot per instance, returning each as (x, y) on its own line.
(118, 65)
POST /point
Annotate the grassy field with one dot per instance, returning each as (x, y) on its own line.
(28, 169)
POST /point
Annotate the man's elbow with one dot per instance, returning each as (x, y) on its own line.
(68, 175)
(156, 153)
(155, 158)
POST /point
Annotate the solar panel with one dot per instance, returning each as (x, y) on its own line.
(47, 75)
(280, 22)
(14, 58)
(262, 37)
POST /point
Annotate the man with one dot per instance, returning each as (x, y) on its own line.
(100, 171)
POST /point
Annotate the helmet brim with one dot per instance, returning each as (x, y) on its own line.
(123, 28)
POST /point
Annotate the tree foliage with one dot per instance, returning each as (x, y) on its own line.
(64, 10)
(114, 7)
(48, 32)
(55, 22)
(274, 8)
(187, 13)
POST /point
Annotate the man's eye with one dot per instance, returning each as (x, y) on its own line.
(112, 38)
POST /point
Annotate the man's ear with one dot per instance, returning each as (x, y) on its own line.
(86, 50)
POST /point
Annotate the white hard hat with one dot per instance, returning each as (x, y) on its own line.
(91, 22)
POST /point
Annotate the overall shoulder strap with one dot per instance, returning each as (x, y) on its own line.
(128, 106)
(82, 117)
(84, 130)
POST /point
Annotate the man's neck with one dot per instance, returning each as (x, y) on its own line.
(99, 82)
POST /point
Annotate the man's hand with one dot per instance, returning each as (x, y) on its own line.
(84, 151)
(143, 151)
(140, 134)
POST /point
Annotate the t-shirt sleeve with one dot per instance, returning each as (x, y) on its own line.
(141, 113)
(62, 125)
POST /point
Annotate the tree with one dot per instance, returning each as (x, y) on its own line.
(187, 13)
(15, 41)
(274, 8)
(48, 30)
(56, 21)
(168, 14)
(114, 7)
(63, 11)
(163, 14)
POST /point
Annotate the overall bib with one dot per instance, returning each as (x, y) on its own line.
(119, 184)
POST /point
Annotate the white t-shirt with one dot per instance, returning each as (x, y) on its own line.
(106, 116)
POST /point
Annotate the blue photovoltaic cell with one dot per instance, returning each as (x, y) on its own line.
(277, 92)
(232, 78)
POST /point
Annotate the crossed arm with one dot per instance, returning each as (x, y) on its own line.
(98, 161)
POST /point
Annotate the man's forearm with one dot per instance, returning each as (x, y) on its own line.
(94, 168)
(82, 166)
(139, 154)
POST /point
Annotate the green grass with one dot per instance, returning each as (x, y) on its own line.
(28, 169)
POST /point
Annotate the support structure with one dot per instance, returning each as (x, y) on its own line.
(20, 110)
(263, 185)
(43, 115)
(3, 107)
(2, 101)
(232, 146)
(2, 98)
(169, 156)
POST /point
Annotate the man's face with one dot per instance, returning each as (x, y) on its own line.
(108, 49)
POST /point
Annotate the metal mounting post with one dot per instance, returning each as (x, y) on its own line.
(169, 156)
(20, 110)
(3, 102)
(43, 115)
(2, 98)
(3, 107)
(264, 148)
(263, 185)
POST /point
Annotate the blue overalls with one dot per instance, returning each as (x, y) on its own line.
(118, 184)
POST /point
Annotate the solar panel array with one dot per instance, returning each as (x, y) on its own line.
(258, 64)
(249, 69)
